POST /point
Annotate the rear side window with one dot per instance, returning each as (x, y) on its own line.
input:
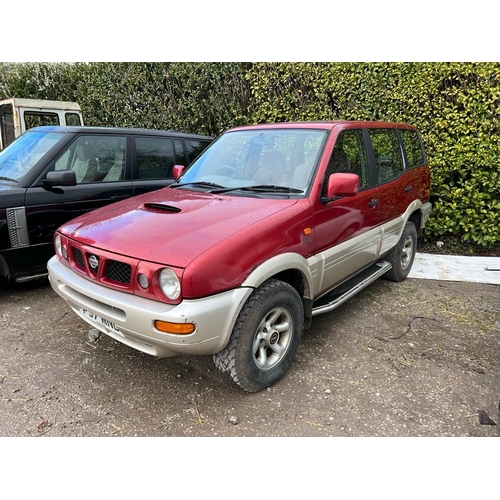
(195, 148)
(387, 151)
(155, 157)
(413, 148)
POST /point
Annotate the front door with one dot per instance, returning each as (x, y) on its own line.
(347, 233)
(99, 163)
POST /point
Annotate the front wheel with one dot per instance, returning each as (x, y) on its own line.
(265, 337)
(403, 254)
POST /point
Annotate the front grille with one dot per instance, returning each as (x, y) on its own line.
(97, 265)
(118, 271)
(77, 254)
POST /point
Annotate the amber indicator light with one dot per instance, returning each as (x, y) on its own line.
(174, 328)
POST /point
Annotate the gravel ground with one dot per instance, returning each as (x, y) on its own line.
(417, 358)
(414, 359)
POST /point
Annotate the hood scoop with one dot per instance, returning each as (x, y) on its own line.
(162, 207)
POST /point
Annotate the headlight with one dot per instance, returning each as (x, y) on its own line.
(169, 284)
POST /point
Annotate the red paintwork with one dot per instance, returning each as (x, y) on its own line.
(394, 196)
(201, 238)
(342, 184)
(215, 241)
(330, 125)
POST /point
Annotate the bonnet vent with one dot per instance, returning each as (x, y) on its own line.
(163, 208)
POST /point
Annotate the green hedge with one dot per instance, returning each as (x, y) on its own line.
(456, 106)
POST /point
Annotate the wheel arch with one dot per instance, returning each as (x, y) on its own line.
(290, 268)
(4, 268)
(416, 218)
(417, 213)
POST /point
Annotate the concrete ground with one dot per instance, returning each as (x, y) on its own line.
(456, 268)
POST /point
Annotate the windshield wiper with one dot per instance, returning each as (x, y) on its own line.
(199, 184)
(260, 188)
(8, 179)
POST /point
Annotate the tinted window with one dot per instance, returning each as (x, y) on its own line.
(194, 148)
(95, 158)
(349, 155)
(413, 148)
(180, 154)
(387, 151)
(155, 157)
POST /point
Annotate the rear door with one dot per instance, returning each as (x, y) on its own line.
(100, 165)
(153, 158)
(396, 184)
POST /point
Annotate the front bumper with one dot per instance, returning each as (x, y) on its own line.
(133, 317)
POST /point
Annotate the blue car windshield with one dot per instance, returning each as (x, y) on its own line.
(17, 159)
(245, 161)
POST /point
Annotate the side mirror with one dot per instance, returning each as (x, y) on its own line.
(60, 178)
(177, 171)
(341, 184)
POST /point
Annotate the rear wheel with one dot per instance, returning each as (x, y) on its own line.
(403, 254)
(265, 337)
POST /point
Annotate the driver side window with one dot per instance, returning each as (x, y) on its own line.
(349, 155)
(95, 158)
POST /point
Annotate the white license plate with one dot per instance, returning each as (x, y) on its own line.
(101, 321)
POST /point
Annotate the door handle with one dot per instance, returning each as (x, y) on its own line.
(408, 188)
(373, 203)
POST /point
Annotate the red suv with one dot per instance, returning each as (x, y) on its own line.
(270, 226)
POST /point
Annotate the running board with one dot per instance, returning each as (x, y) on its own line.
(349, 288)
(22, 279)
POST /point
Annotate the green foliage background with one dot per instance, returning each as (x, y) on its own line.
(456, 106)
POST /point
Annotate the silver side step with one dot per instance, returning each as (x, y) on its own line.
(350, 288)
(22, 279)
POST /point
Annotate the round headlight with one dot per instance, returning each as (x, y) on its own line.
(169, 284)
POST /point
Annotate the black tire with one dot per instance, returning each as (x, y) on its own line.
(265, 337)
(403, 254)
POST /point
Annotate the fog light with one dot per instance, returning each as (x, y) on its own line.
(175, 328)
(143, 281)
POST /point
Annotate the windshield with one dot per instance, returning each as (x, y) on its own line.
(281, 161)
(17, 159)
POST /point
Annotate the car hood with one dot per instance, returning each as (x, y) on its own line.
(170, 226)
(6, 186)
(11, 195)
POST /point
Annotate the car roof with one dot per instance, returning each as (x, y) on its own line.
(119, 130)
(325, 125)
